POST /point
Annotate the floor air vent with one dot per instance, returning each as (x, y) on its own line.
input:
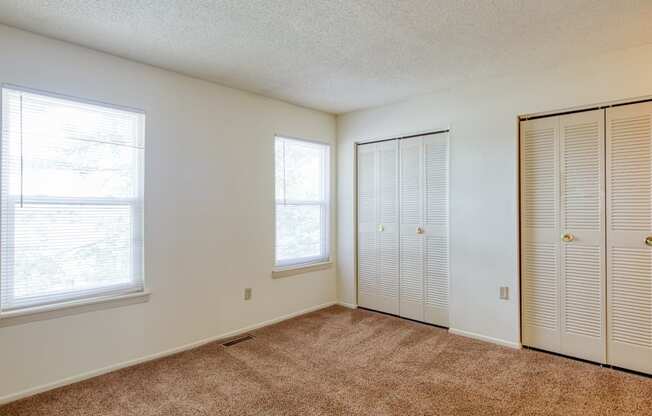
(237, 340)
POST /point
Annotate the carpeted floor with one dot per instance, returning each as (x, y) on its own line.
(351, 362)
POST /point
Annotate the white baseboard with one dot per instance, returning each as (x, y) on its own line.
(94, 373)
(348, 305)
(504, 343)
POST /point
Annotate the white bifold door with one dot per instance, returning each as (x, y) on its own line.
(629, 236)
(424, 262)
(586, 235)
(562, 234)
(403, 248)
(378, 278)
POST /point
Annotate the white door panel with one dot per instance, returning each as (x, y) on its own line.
(388, 226)
(629, 224)
(540, 238)
(435, 228)
(368, 259)
(378, 226)
(582, 259)
(424, 247)
(411, 240)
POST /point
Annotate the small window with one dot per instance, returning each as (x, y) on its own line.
(71, 222)
(302, 202)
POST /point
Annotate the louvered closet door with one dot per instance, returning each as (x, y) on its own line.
(540, 238)
(368, 261)
(388, 226)
(629, 224)
(411, 229)
(378, 263)
(435, 228)
(424, 278)
(582, 259)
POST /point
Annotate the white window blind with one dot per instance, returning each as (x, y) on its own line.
(302, 202)
(71, 220)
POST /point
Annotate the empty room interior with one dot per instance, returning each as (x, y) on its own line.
(314, 207)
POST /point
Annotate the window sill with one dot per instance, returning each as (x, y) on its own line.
(300, 269)
(40, 313)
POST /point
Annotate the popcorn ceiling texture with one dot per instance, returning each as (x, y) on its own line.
(339, 361)
(339, 56)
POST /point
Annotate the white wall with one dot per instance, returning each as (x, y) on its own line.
(482, 116)
(208, 216)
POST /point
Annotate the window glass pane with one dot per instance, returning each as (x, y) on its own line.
(50, 116)
(298, 232)
(304, 171)
(71, 248)
(68, 149)
(72, 168)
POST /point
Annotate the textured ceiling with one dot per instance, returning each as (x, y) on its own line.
(341, 55)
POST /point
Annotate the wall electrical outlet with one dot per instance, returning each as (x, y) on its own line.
(504, 292)
(247, 293)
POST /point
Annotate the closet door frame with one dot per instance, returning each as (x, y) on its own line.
(627, 360)
(356, 208)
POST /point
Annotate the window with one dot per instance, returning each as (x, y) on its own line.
(71, 221)
(302, 202)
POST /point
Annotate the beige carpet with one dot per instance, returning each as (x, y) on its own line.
(343, 362)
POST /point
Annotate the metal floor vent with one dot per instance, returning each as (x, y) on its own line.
(237, 340)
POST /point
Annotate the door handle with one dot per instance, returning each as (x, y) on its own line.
(567, 238)
(419, 230)
(648, 240)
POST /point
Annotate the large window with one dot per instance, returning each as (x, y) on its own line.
(71, 200)
(302, 202)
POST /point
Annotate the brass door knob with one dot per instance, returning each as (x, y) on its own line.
(648, 240)
(419, 230)
(567, 238)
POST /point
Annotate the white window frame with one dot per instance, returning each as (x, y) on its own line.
(325, 208)
(30, 305)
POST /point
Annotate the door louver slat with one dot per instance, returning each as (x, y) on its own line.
(539, 171)
(583, 291)
(630, 291)
(436, 269)
(540, 292)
